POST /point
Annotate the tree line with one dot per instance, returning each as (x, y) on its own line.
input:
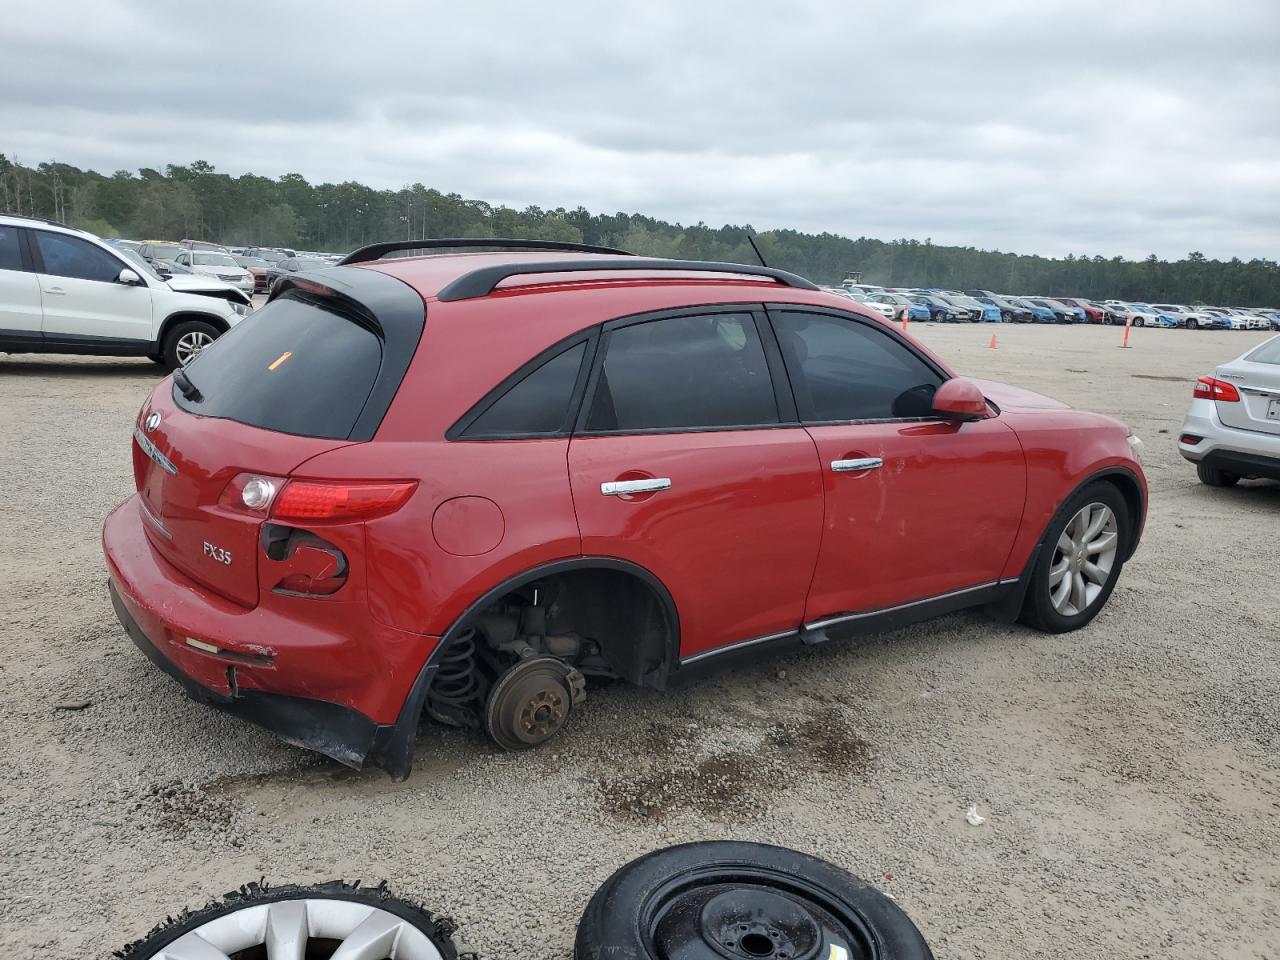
(196, 201)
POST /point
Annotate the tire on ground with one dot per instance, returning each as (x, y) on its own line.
(1215, 477)
(612, 924)
(169, 349)
(1038, 610)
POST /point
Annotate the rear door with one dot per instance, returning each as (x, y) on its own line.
(688, 461)
(80, 296)
(916, 507)
(19, 291)
(1257, 377)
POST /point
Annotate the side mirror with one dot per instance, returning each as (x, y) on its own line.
(129, 278)
(960, 399)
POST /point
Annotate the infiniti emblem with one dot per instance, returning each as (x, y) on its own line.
(152, 422)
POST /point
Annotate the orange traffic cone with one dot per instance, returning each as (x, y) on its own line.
(905, 314)
(992, 344)
(1126, 334)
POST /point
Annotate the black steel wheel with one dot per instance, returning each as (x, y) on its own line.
(529, 704)
(726, 900)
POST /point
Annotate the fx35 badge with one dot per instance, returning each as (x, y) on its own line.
(217, 553)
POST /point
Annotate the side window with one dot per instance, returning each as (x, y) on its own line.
(10, 249)
(684, 373)
(538, 404)
(847, 370)
(66, 256)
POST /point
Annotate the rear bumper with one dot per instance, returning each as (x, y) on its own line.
(325, 676)
(1246, 452)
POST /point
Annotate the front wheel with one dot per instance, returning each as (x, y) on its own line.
(186, 341)
(1080, 560)
(1191, 325)
(316, 921)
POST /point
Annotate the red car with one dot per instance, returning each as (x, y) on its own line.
(1092, 312)
(462, 484)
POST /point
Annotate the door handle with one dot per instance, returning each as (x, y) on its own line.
(618, 488)
(856, 466)
(56, 291)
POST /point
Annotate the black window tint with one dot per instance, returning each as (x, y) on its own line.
(10, 251)
(685, 372)
(537, 404)
(848, 370)
(293, 366)
(66, 256)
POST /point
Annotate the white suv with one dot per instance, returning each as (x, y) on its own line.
(65, 291)
(222, 266)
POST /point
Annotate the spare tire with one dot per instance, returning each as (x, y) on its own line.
(312, 921)
(726, 900)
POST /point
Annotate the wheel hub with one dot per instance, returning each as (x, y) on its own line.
(543, 713)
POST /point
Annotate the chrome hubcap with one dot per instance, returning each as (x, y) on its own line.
(1082, 559)
(190, 345)
(286, 929)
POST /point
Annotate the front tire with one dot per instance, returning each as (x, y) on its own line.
(186, 341)
(1080, 560)
(1214, 477)
(742, 900)
(1192, 324)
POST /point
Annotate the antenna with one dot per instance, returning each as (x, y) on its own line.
(760, 256)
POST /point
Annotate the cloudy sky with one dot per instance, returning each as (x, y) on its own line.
(1120, 127)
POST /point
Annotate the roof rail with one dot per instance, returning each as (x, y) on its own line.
(481, 282)
(376, 251)
(28, 216)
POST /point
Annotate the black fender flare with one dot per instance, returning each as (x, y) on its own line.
(392, 747)
(1008, 607)
(179, 316)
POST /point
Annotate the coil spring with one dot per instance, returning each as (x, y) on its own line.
(456, 682)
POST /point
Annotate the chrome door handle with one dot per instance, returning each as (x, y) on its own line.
(854, 466)
(617, 488)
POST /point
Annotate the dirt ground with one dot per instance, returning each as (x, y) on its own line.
(1128, 773)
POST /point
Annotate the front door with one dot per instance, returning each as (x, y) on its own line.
(82, 299)
(916, 507)
(688, 462)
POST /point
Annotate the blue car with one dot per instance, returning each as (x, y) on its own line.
(939, 310)
(1039, 314)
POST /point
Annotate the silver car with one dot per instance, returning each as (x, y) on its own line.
(1233, 427)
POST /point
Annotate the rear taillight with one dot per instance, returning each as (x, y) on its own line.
(314, 501)
(1208, 388)
(251, 492)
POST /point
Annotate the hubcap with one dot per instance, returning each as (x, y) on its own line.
(190, 345)
(1082, 559)
(312, 928)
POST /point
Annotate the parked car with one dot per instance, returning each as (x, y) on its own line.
(939, 310)
(1232, 429)
(160, 254)
(1062, 312)
(1130, 314)
(202, 245)
(220, 265)
(291, 265)
(260, 270)
(1009, 313)
(985, 311)
(1188, 318)
(326, 538)
(269, 254)
(1091, 312)
(1038, 313)
(65, 291)
(891, 305)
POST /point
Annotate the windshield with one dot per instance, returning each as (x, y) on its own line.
(138, 263)
(247, 262)
(213, 260)
(270, 256)
(163, 251)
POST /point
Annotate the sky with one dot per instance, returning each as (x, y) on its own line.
(1116, 128)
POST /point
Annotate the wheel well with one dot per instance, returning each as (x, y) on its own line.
(1132, 494)
(604, 618)
(171, 321)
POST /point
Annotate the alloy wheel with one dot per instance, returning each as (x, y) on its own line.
(1083, 559)
(190, 345)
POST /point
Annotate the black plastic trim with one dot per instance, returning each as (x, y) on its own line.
(376, 251)
(1244, 464)
(482, 281)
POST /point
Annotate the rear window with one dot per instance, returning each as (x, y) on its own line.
(1269, 352)
(295, 366)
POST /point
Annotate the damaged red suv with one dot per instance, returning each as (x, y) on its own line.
(461, 484)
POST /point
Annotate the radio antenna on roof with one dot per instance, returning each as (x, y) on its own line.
(759, 256)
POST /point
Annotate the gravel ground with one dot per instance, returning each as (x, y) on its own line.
(1128, 773)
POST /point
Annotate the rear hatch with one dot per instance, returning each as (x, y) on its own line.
(308, 373)
(1257, 378)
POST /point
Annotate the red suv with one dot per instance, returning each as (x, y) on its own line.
(464, 483)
